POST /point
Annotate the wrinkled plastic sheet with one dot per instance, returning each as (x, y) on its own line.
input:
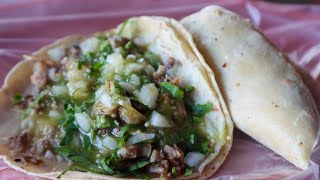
(25, 26)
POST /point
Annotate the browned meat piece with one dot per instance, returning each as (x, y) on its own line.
(157, 75)
(20, 143)
(176, 81)
(43, 146)
(39, 75)
(25, 103)
(74, 52)
(118, 41)
(179, 110)
(134, 151)
(171, 63)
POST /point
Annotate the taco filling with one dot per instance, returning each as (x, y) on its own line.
(108, 106)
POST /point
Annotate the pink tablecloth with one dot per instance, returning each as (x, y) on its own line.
(28, 25)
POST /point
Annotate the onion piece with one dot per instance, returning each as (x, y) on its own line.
(139, 137)
(135, 80)
(57, 53)
(89, 45)
(116, 61)
(193, 158)
(59, 91)
(110, 143)
(130, 115)
(148, 95)
(84, 121)
(127, 86)
(159, 120)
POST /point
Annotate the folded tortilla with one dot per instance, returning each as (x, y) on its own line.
(266, 97)
(167, 39)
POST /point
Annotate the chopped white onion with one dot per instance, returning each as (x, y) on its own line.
(159, 120)
(116, 61)
(139, 137)
(148, 95)
(133, 68)
(53, 76)
(84, 121)
(57, 53)
(149, 70)
(127, 86)
(59, 91)
(193, 158)
(135, 80)
(89, 45)
(110, 143)
(55, 114)
(49, 155)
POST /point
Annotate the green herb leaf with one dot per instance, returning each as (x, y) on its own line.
(152, 58)
(188, 88)
(123, 25)
(173, 90)
(87, 143)
(33, 104)
(66, 151)
(198, 119)
(130, 45)
(192, 139)
(87, 164)
(174, 170)
(68, 137)
(201, 109)
(138, 165)
(106, 167)
(18, 98)
(188, 172)
(106, 47)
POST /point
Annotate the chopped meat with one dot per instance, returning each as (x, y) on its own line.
(116, 132)
(171, 63)
(161, 168)
(110, 87)
(25, 103)
(157, 75)
(172, 153)
(117, 41)
(43, 146)
(179, 110)
(167, 78)
(18, 144)
(176, 81)
(103, 131)
(74, 52)
(100, 109)
(30, 158)
(39, 75)
(134, 151)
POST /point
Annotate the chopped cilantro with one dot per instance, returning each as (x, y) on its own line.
(18, 98)
(138, 165)
(106, 47)
(123, 25)
(152, 59)
(174, 170)
(68, 137)
(188, 88)
(188, 172)
(175, 91)
(106, 167)
(200, 110)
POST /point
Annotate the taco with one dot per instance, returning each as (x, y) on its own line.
(133, 102)
(266, 97)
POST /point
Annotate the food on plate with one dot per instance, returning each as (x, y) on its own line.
(266, 97)
(133, 102)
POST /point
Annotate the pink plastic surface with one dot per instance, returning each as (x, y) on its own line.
(28, 25)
